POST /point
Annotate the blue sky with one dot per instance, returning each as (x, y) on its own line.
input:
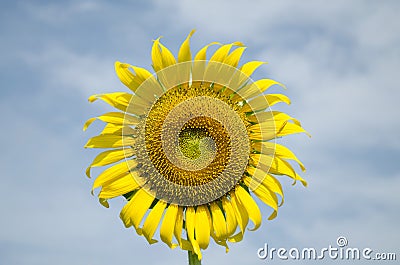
(339, 60)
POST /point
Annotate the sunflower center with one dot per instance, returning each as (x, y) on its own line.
(192, 145)
(195, 142)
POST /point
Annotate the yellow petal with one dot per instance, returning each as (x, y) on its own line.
(291, 128)
(134, 211)
(152, 221)
(257, 104)
(199, 64)
(167, 56)
(184, 53)
(231, 222)
(202, 226)
(281, 116)
(268, 126)
(243, 76)
(268, 183)
(221, 68)
(218, 222)
(156, 56)
(190, 225)
(260, 177)
(131, 79)
(126, 76)
(250, 205)
(265, 130)
(141, 74)
(258, 87)
(120, 186)
(168, 225)
(186, 245)
(269, 148)
(114, 172)
(104, 202)
(87, 123)
(240, 212)
(248, 68)
(271, 115)
(124, 216)
(202, 54)
(275, 165)
(109, 141)
(264, 101)
(114, 118)
(276, 98)
(282, 167)
(138, 105)
(236, 238)
(268, 130)
(161, 56)
(221, 243)
(263, 136)
(117, 129)
(269, 198)
(134, 77)
(122, 100)
(266, 190)
(179, 225)
(234, 57)
(119, 100)
(222, 52)
(109, 157)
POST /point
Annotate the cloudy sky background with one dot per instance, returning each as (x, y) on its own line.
(339, 59)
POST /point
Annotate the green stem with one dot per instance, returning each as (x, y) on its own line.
(193, 259)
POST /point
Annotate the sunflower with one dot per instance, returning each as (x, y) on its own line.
(192, 145)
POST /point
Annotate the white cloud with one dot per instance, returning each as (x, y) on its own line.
(80, 73)
(56, 14)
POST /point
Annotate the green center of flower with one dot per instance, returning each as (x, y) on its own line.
(193, 142)
(197, 148)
